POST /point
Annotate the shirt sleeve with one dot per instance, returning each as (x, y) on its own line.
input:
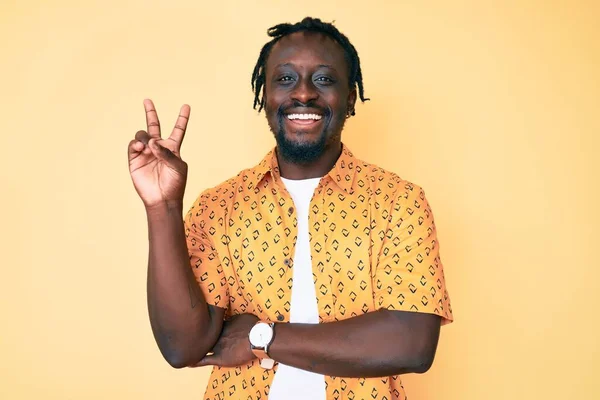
(204, 260)
(409, 275)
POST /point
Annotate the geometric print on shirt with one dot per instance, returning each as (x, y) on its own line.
(373, 245)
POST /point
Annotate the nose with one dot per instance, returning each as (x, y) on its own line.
(305, 91)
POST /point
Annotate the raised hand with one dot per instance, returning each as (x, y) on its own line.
(159, 174)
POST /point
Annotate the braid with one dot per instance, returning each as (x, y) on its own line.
(312, 25)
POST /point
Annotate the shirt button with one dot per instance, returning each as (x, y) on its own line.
(286, 261)
(280, 318)
(291, 210)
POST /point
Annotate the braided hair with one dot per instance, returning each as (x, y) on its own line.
(311, 25)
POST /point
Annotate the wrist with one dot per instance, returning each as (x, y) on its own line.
(166, 207)
(261, 336)
(268, 346)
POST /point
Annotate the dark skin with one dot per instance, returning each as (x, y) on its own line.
(310, 69)
(185, 327)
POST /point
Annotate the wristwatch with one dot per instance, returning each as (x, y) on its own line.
(261, 336)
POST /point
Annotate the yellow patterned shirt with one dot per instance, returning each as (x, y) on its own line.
(373, 246)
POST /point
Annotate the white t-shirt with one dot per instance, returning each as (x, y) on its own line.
(292, 383)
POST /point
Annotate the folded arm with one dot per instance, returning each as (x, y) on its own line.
(381, 343)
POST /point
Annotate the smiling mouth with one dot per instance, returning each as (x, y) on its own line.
(304, 119)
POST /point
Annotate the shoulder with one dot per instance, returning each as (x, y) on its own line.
(385, 183)
(216, 200)
(400, 202)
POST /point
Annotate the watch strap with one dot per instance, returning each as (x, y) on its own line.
(267, 363)
(262, 353)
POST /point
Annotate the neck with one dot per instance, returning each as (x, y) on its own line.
(315, 169)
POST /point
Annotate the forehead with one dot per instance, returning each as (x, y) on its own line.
(305, 49)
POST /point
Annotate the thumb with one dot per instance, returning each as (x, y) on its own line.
(211, 359)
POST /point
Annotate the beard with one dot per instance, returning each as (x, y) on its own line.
(301, 152)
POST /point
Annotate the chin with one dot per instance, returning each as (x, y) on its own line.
(295, 148)
(301, 138)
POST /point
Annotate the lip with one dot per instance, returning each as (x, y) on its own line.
(303, 123)
(303, 111)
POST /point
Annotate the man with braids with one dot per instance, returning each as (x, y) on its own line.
(312, 275)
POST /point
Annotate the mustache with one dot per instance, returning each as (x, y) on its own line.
(312, 104)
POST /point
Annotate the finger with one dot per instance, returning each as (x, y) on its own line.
(152, 119)
(180, 125)
(210, 359)
(142, 136)
(134, 148)
(163, 153)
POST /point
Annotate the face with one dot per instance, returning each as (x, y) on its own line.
(307, 96)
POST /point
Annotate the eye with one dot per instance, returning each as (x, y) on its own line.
(285, 78)
(324, 79)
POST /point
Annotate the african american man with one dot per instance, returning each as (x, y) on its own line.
(312, 275)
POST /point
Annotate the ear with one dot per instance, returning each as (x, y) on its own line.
(351, 101)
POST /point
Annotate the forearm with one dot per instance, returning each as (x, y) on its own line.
(382, 343)
(179, 315)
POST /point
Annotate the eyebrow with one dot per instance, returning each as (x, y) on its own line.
(320, 66)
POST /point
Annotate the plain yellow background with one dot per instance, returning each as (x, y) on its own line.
(493, 107)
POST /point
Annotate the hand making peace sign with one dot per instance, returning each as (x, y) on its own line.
(157, 170)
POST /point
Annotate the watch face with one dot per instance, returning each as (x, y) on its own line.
(261, 335)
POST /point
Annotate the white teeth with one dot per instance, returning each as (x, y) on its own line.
(315, 117)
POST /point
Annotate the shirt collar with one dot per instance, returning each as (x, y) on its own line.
(342, 173)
